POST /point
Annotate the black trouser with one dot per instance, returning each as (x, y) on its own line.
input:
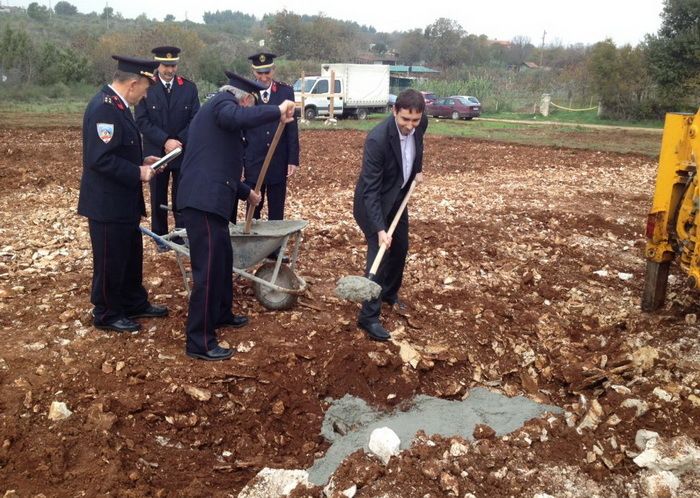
(276, 195)
(390, 272)
(117, 270)
(211, 257)
(159, 195)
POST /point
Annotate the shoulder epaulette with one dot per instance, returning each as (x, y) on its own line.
(115, 101)
(181, 80)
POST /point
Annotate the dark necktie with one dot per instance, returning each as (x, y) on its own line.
(264, 96)
(167, 87)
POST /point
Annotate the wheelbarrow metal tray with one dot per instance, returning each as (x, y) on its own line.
(265, 237)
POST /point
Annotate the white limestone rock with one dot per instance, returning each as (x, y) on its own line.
(677, 455)
(59, 411)
(384, 443)
(660, 484)
(274, 483)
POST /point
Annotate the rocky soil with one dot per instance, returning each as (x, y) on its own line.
(524, 276)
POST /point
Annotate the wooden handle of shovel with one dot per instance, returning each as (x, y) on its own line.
(263, 172)
(390, 232)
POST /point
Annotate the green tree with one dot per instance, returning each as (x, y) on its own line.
(169, 18)
(63, 8)
(443, 39)
(620, 78)
(38, 12)
(287, 35)
(107, 13)
(412, 47)
(61, 65)
(17, 54)
(137, 40)
(674, 52)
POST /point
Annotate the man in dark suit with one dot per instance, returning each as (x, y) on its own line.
(393, 158)
(285, 160)
(111, 197)
(164, 117)
(209, 188)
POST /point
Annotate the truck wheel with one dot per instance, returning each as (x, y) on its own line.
(655, 280)
(310, 113)
(455, 115)
(361, 114)
(270, 298)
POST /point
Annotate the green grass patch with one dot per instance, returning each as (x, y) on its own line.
(586, 117)
(579, 137)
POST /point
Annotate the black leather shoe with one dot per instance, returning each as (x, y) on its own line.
(375, 331)
(121, 325)
(216, 354)
(234, 321)
(153, 310)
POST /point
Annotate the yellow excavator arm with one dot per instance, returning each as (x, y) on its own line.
(672, 223)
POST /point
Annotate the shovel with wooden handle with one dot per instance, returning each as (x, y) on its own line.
(263, 172)
(360, 289)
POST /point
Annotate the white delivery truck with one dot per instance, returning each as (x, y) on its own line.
(360, 89)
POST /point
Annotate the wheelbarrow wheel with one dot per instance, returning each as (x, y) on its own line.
(273, 299)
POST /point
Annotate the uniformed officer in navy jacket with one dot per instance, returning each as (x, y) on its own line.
(210, 180)
(285, 160)
(164, 117)
(111, 197)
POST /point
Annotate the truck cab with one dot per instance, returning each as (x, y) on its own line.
(317, 97)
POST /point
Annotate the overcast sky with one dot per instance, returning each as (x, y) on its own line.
(565, 21)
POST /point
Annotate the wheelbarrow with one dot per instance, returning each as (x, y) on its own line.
(277, 285)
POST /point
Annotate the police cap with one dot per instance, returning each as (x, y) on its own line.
(142, 67)
(263, 62)
(244, 84)
(166, 55)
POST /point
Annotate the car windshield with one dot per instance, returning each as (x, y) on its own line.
(467, 100)
(308, 83)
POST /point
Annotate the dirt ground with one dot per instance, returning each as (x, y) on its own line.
(524, 276)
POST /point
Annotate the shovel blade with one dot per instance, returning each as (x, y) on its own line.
(357, 289)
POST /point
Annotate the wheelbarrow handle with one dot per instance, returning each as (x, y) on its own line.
(390, 232)
(263, 172)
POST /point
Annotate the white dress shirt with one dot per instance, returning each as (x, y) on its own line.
(408, 153)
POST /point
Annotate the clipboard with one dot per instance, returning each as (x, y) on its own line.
(166, 159)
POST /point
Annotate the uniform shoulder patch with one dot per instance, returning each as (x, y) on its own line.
(105, 131)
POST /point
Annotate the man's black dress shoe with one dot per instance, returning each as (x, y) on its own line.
(216, 354)
(153, 310)
(235, 321)
(375, 331)
(121, 325)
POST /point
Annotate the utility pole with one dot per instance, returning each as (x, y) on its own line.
(542, 48)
